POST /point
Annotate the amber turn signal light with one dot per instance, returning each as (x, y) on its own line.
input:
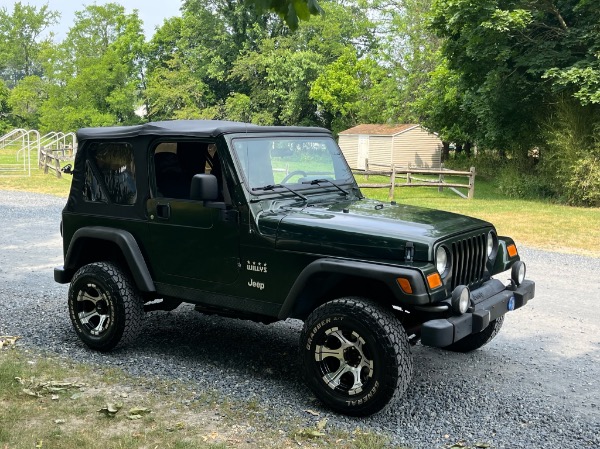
(512, 250)
(434, 280)
(405, 285)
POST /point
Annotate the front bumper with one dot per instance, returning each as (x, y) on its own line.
(491, 301)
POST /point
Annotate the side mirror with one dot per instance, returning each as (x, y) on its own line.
(204, 188)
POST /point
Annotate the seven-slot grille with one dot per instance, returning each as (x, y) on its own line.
(468, 260)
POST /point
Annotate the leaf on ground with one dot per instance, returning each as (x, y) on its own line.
(139, 411)
(311, 433)
(60, 421)
(482, 445)
(458, 445)
(134, 417)
(55, 397)
(321, 424)
(110, 409)
(29, 392)
(7, 340)
(312, 412)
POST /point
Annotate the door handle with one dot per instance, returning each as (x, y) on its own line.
(163, 210)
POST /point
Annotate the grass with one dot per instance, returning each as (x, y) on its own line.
(13, 176)
(47, 402)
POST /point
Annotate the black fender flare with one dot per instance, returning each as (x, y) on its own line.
(126, 243)
(503, 261)
(386, 274)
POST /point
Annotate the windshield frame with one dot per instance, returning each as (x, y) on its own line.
(290, 188)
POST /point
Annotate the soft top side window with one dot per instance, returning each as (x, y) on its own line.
(110, 168)
(175, 163)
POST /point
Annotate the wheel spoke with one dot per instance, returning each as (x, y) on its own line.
(85, 296)
(322, 351)
(100, 327)
(84, 317)
(333, 379)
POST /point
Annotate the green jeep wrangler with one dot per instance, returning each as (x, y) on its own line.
(268, 223)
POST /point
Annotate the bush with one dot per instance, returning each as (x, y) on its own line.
(515, 182)
(583, 187)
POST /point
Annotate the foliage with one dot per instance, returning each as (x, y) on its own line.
(20, 47)
(494, 75)
(95, 73)
(25, 101)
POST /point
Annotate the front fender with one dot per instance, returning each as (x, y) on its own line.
(387, 274)
(503, 260)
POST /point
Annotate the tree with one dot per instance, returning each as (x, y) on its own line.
(4, 108)
(354, 91)
(96, 73)
(292, 11)
(20, 44)
(513, 57)
(26, 99)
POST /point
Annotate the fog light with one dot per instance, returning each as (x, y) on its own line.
(517, 273)
(461, 299)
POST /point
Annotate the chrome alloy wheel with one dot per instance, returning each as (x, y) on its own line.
(93, 309)
(344, 361)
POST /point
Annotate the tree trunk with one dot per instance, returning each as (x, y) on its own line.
(445, 151)
(467, 148)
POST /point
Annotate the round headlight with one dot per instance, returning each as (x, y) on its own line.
(461, 299)
(441, 259)
(517, 273)
(491, 243)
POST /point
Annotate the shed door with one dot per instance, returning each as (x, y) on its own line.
(363, 151)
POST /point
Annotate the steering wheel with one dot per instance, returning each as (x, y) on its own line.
(294, 173)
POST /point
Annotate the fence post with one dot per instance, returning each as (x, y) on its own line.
(441, 188)
(408, 178)
(471, 183)
(393, 185)
(367, 168)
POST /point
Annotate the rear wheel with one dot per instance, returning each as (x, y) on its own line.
(355, 356)
(476, 341)
(105, 308)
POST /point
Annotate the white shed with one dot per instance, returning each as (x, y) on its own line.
(387, 145)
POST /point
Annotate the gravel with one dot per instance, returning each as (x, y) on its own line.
(534, 386)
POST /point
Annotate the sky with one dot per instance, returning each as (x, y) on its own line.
(152, 12)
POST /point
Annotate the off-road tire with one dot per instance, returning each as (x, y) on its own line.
(375, 344)
(106, 309)
(476, 341)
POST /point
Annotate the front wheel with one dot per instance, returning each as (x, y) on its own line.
(476, 341)
(105, 308)
(355, 356)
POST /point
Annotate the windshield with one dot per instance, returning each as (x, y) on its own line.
(291, 161)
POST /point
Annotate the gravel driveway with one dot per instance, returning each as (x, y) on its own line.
(535, 386)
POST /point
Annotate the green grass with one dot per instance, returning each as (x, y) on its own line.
(14, 177)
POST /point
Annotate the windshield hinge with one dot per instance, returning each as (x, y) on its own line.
(409, 251)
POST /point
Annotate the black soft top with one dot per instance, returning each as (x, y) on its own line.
(189, 128)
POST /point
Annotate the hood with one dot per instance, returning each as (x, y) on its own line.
(364, 229)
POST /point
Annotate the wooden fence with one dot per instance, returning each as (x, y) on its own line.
(51, 158)
(408, 174)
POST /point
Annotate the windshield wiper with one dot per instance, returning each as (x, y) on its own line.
(279, 186)
(319, 181)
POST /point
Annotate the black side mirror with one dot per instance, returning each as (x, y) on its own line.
(204, 188)
(68, 169)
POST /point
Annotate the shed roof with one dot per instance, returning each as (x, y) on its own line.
(380, 129)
